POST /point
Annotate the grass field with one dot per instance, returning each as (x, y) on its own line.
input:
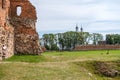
(57, 66)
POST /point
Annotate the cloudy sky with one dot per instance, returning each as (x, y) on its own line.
(102, 16)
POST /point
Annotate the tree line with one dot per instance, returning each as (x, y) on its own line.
(68, 40)
(113, 39)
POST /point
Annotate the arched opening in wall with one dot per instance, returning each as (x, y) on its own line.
(18, 10)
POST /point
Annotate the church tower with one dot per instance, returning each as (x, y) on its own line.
(76, 28)
(81, 29)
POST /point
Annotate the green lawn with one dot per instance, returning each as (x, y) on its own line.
(74, 65)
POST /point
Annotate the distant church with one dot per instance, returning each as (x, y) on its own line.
(77, 28)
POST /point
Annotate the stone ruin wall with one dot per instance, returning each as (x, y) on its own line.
(6, 31)
(26, 37)
(18, 33)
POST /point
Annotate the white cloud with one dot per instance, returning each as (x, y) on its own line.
(95, 15)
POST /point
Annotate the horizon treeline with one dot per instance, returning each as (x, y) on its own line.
(70, 39)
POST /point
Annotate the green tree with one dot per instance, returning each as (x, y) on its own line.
(68, 40)
(50, 41)
(60, 41)
(96, 37)
(86, 38)
(113, 39)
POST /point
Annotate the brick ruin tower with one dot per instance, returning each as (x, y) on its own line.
(18, 31)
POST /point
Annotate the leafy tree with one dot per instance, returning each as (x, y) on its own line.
(68, 40)
(47, 47)
(86, 38)
(49, 41)
(109, 39)
(113, 39)
(96, 37)
(54, 47)
(61, 41)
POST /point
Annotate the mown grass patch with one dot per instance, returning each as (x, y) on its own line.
(84, 55)
(27, 58)
(68, 56)
(74, 65)
(51, 71)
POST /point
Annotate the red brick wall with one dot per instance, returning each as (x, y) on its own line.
(26, 37)
(28, 11)
(4, 11)
(18, 33)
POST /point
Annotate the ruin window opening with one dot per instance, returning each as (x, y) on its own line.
(18, 10)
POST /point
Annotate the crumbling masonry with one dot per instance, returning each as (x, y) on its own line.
(17, 32)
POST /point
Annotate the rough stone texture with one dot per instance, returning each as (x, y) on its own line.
(105, 69)
(6, 32)
(6, 42)
(26, 37)
(44, 49)
(18, 33)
